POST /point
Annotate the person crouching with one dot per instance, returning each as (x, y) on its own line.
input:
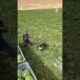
(26, 38)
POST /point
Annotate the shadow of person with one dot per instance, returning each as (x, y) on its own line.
(8, 67)
(42, 72)
(8, 61)
(4, 46)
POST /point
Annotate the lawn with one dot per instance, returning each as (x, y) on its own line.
(43, 25)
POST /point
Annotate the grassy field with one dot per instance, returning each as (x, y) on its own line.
(43, 25)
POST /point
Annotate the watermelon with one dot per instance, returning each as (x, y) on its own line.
(25, 73)
(19, 57)
(20, 79)
(19, 73)
(28, 77)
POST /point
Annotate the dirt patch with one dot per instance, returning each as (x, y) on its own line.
(39, 4)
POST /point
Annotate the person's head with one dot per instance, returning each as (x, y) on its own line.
(1, 24)
(26, 31)
(3, 28)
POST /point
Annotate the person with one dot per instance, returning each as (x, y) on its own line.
(26, 38)
(4, 46)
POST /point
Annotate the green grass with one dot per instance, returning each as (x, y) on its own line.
(43, 25)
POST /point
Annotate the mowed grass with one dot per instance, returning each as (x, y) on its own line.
(43, 25)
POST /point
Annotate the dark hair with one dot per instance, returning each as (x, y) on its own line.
(2, 26)
(1, 23)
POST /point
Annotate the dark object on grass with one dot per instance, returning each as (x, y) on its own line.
(43, 45)
(4, 46)
(26, 38)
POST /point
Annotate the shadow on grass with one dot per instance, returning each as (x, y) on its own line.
(42, 72)
(8, 68)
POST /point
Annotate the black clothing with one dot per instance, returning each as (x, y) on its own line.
(4, 46)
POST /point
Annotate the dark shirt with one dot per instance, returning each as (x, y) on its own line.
(1, 24)
(2, 29)
(25, 37)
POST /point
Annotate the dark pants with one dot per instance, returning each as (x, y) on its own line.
(7, 49)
